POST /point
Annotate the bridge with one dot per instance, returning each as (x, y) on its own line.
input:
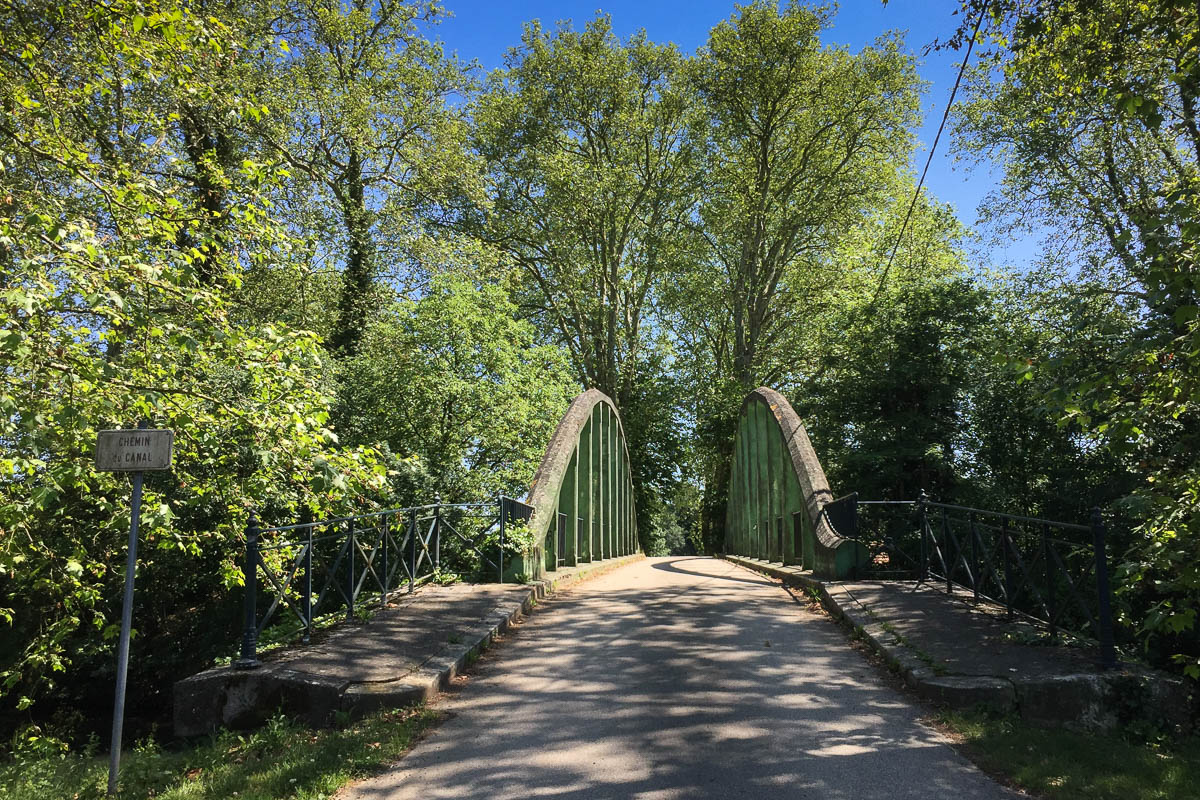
(681, 676)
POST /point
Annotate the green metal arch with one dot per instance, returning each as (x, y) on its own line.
(777, 489)
(585, 477)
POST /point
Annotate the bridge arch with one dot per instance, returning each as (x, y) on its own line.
(582, 493)
(777, 491)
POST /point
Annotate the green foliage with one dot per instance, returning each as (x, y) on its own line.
(666, 536)
(456, 380)
(890, 417)
(115, 309)
(1091, 109)
(805, 140)
(174, 190)
(375, 149)
(1021, 455)
(281, 760)
(590, 145)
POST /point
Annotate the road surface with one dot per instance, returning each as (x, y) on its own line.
(679, 678)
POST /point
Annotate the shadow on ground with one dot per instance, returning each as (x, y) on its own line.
(679, 677)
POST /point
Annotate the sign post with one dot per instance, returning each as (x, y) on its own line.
(135, 451)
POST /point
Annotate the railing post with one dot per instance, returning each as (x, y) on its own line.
(1108, 654)
(350, 570)
(383, 544)
(923, 515)
(249, 654)
(412, 546)
(437, 531)
(308, 616)
(1006, 543)
(974, 559)
(1051, 602)
(503, 520)
(952, 562)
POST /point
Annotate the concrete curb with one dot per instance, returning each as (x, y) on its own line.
(244, 698)
(1091, 701)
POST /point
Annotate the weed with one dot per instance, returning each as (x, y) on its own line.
(444, 577)
(283, 760)
(918, 653)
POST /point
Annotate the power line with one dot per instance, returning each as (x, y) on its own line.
(921, 183)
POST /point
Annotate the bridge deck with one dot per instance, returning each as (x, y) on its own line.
(679, 677)
(402, 656)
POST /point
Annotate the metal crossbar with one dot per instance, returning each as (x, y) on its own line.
(367, 558)
(1038, 568)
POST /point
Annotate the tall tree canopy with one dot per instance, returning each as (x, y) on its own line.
(363, 119)
(591, 146)
(1091, 109)
(805, 140)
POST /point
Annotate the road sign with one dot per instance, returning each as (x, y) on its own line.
(132, 450)
(138, 450)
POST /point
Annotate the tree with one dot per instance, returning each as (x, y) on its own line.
(455, 380)
(590, 147)
(803, 139)
(363, 119)
(1091, 108)
(1022, 457)
(106, 319)
(891, 419)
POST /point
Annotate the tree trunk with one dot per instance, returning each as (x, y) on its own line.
(359, 276)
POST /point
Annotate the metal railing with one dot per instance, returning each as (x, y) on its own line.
(315, 568)
(1053, 572)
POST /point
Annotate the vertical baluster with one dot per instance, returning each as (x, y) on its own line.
(1006, 543)
(308, 615)
(249, 655)
(437, 532)
(500, 501)
(974, 559)
(923, 520)
(1051, 601)
(350, 570)
(412, 546)
(949, 560)
(383, 543)
(1108, 654)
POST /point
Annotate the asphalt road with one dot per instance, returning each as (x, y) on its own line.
(674, 678)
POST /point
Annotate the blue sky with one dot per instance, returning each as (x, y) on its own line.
(484, 31)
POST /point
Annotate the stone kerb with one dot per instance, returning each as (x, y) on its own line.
(813, 483)
(547, 481)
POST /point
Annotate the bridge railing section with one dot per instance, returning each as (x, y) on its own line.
(295, 574)
(1052, 572)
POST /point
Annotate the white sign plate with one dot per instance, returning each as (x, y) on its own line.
(134, 450)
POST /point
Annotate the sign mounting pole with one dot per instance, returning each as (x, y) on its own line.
(129, 451)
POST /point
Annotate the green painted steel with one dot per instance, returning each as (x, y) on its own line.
(585, 475)
(777, 489)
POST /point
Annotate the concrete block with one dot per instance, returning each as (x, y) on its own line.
(240, 699)
(968, 691)
(364, 698)
(1076, 701)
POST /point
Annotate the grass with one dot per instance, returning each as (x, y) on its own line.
(1067, 765)
(282, 760)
